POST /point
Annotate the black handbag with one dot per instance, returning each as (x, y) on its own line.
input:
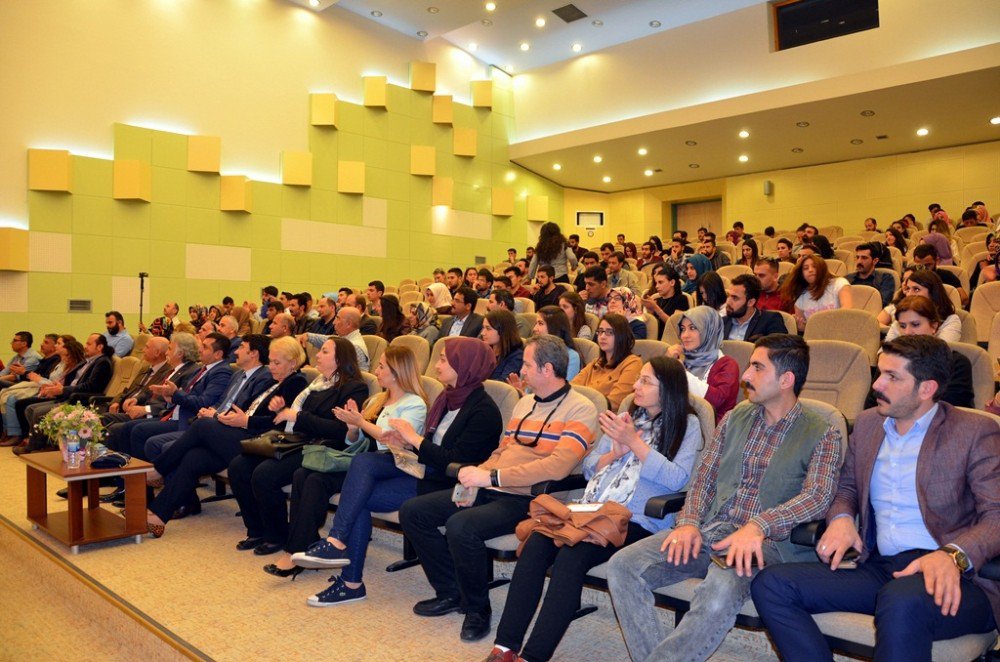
(110, 460)
(274, 444)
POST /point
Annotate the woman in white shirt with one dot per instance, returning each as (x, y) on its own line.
(813, 288)
(925, 283)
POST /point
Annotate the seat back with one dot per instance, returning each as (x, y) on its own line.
(970, 332)
(138, 344)
(960, 273)
(833, 416)
(419, 346)
(892, 273)
(845, 256)
(866, 298)
(376, 346)
(371, 382)
(652, 325)
(647, 349)
(482, 306)
(309, 373)
(985, 304)
(525, 323)
(739, 351)
(406, 298)
(731, 271)
(790, 324)
(505, 396)
(121, 375)
(424, 282)
(836, 267)
(831, 232)
(595, 396)
(592, 322)
(953, 295)
(432, 387)
(853, 326)
(588, 349)
(669, 334)
(839, 375)
(432, 360)
(526, 304)
(971, 234)
(982, 371)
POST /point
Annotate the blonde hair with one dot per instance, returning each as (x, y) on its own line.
(289, 348)
(403, 365)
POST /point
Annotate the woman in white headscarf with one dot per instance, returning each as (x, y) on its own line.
(437, 295)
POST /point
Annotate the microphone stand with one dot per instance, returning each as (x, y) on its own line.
(142, 288)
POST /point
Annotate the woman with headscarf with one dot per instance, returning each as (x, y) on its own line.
(697, 266)
(463, 425)
(711, 375)
(941, 241)
(623, 301)
(438, 296)
(422, 321)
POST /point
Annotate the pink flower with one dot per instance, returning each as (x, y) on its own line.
(86, 433)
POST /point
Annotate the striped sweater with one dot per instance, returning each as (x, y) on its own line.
(566, 439)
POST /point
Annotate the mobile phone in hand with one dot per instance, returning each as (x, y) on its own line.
(464, 496)
(849, 560)
(721, 562)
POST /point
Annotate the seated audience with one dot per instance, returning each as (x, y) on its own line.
(666, 296)
(345, 325)
(326, 310)
(813, 288)
(367, 325)
(552, 321)
(228, 326)
(548, 291)
(749, 254)
(823, 247)
(515, 275)
(438, 296)
(162, 327)
(118, 339)
(282, 325)
(69, 356)
(939, 236)
(771, 297)
(711, 375)
(744, 320)
(697, 266)
(595, 292)
(622, 301)
(619, 276)
(616, 368)
(772, 464)
(376, 289)
(471, 273)
(455, 562)
(926, 256)
(866, 258)
(895, 238)
(464, 320)
(712, 292)
(871, 225)
(572, 304)
(138, 393)
(786, 251)
(393, 322)
(589, 259)
(716, 257)
(924, 283)
(501, 335)
(25, 359)
(484, 283)
(423, 321)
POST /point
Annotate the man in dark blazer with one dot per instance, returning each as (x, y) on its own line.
(464, 322)
(156, 371)
(743, 320)
(922, 478)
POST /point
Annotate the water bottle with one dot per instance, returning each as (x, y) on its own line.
(73, 448)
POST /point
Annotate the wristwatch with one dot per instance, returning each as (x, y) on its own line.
(958, 556)
(494, 478)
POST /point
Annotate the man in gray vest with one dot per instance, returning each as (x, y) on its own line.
(770, 466)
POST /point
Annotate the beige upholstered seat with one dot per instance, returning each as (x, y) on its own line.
(526, 304)
(831, 232)
(376, 345)
(960, 272)
(525, 323)
(740, 351)
(310, 373)
(138, 344)
(970, 332)
(652, 325)
(785, 268)
(124, 369)
(432, 360)
(864, 297)
(419, 346)
(482, 306)
(647, 349)
(408, 287)
(731, 271)
(790, 325)
(595, 396)
(845, 256)
(407, 281)
(836, 267)
(592, 322)
(971, 234)
(853, 326)
(849, 245)
(424, 282)
(839, 375)
(588, 349)
(985, 304)
(669, 334)
(432, 387)
(982, 371)
(371, 382)
(504, 395)
(407, 298)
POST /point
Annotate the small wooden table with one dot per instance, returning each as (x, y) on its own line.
(76, 526)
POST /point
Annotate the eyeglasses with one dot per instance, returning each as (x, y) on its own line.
(605, 332)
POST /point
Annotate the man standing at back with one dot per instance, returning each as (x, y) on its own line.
(922, 478)
(771, 465)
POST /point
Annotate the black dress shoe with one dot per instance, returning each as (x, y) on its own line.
(247, 544)
(117, 495)
(191, 509)
(436, 607)
(272, 569)
(476, 626)
(63, 493)
(119, 503)
(266, 548)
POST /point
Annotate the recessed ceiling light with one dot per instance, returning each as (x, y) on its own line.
(510, 176)
(473, 46)
(797, 150)
(598, 158)
(995, 120)
(577, 47)
(539, 22)
(376, 13)
(557, 166)
(693, 165)
(432, 10)
(744, 134)
(857, 141)
(643, 151)
(867, 113)
(802, 125)
(606, 179)
(525, 46)
(486, 22)
(421, 33)
(491, 6)
(922, 131)
(314, 3)
(690, 143)
(744, 158)
(597, 23)
(648, 172)
(655, 24)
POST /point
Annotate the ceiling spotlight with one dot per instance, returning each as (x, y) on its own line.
(797, 150)
(693, 165)
(510, 176)
(314, 3)
(857, 141)
(486, 22)
(744, 134)
(539, 22)
(557, 166)
(376, 13)
(597, 23)
(867, 113)
(432, 10)
(525, 46)
(690, 143)
(579, 47)
(598, 158)
(473, 46)
(606, 179)
(744, 158)
(643, 151)
(995, 120)
(491, 6)
(922, 131)
(648, 172)
(802, 125)
(655, 24)
(421, 33)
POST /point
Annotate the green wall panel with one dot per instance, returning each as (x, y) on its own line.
(349, 207)
(169, 186)
(295, 266)
(47, 293)
(267, 198)
(204, 292)
(350, 117)
(295, 202)
(129, 256)
(132, 142)
(265, 265)
(98, 290)
(131, 219)
(265, 231)
(170, 150)
(203, 190)
(92, 215)
(49, 211)
(234, 229)
(323, 206)
(375, 152)
(92, 176)
(201, 226)
(167, 260)
(325, 171)
(350, 146)
(91, 254)
(376, 123)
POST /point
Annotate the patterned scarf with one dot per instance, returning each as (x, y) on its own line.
(618, 480)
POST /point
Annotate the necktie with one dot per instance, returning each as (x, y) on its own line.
(173, 413)
(231, 396)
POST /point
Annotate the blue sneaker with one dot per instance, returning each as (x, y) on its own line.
(321, 554)
(337, 594)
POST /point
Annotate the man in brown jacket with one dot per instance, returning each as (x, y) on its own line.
(923, 480)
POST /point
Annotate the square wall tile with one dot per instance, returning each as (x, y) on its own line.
(50, 212)
(204, 153)
(170, 150)
(50, 170)
(423, 76)
(323, 109)
(351, 177)
(92, 215)
(296, 168)
(422, 160)
(14, 249)
(375, 91)
(133, 180)
(92, 176)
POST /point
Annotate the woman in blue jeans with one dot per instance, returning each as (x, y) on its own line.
(643, 453)
(455, 433)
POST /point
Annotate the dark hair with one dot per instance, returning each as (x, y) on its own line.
(575, 236)
(933, 207)
(503, 279)
(514, 250)
(457, 271)
(788, 353)
(750, 283)
(787, 242)
(920, 305)
(590, 255)
(653, 239)
(579, 311)
(257, 342)
(469, 295)
(485, 273)
(935, 287)
(288, 295)
(546, 269)
(347, 360)
(715, 290)
(597, 273)
(551, 243)
(52, 336)
(26, 337)
(609, 246)
(873, 247)
(346, 290)
(796, 283)
(393, 319)
(925, 250)
(515, 269)
(675, 406)
(899, 238)
(709, 238)
(303, 298)
(738, 224)
(506, 326)
(927, 359)
(630, 247)
(227, 301)
(270, 290)
(116, 315)
(624, 341)
(220, 343)
(102, 342)
(557, 323)
(769, 231)
(74, 350)
(378, 285)
(276, 305)
(823, 244)
(754, 252)
(618, 255)
(504, 298)
(970, 215)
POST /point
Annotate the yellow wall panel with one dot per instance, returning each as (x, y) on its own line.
(423, 76)
(503, 202)
(235, 194)
(442, 111)
(482, 93)
(49, 170)
(538, 207)
(351, 177)
(14, 249)
(323, 109)
(422, 160)
(464, 142)
(204, 153)
(442, 191)
(376, 91)
(133, 180)
(296, 168)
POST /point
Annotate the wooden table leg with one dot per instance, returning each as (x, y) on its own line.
(37, 500)
(93, 493)
(75, 515)
(135, 503)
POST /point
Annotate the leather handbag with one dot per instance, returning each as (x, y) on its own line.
(331, 460)
(599, 524)
(274, 444)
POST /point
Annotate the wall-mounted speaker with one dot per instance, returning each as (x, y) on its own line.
(768, 187)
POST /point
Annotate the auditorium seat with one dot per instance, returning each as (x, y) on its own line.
(526, 304)
(371, 382)
(836, 268)
(376, 345)
(432, 387)
(407, 298)
(853, 326)
(839, 375)
(419, 346)
(985, 304)
(647, 349)
(588, 349)
(436, 350)
(982, 371)
(731, 271)
(866, 298)
(739, 351)
(970, 332)
(138, 344)
(525, 323)
(669, 333)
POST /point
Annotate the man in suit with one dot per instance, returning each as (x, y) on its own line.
(138, 394)
(229, 327)
(618, 276)
(464, 321)
(922, 479)
(743, 320)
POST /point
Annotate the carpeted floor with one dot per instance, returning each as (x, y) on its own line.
(195, 584)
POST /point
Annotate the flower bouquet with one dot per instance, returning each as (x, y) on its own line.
(68, 421)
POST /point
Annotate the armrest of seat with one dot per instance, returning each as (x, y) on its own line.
(567, 484)
(991, 569)
(100, 401)
(451, 471)
(659, 507)
(808, 534)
